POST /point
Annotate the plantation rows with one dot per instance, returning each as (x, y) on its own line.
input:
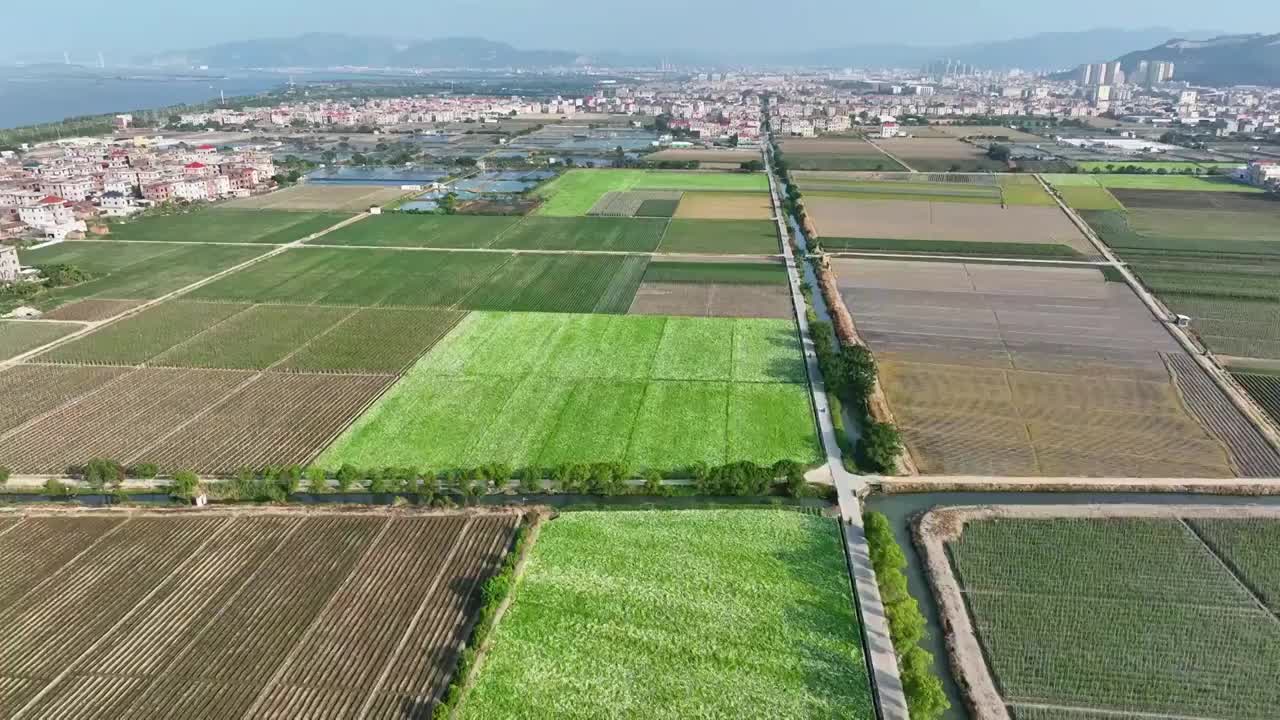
(271, 616)
(1265, 389)
(257, 337)
(181, 419)
(1126, 615)
(1251, 451)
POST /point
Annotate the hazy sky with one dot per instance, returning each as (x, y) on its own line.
(83, 26)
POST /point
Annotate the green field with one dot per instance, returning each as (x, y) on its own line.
(414, 230)
(672, 615)
(1141, 598)
(19, 336)
(133, 270)
(1086, 197)
(741, 273)
(584, 233)
(721, 237)
(424, 278)
(536, 390)
(138, 338)
(1149, 182)
(254, 339)
(222, 225)
(577, 191)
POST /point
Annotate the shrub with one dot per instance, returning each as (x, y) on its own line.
(347, 477)
(653, 483)
(317, 481)
(531, 480)
(881, 445)
(143, 471)
(99, 473)
(290, 479)
(925, 697)
(376, 482)
(184, 485)
(4, 475)
(55, 488)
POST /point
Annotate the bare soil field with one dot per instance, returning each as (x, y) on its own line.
(736, 157)
(827, 146)
(1027, 371)
(346, 198)
(712, 300)
(209, 421)
(724, 206)
(949, 221)
(1195, 200)
(930, 149)
(234, 614)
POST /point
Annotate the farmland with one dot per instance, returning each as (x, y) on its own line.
(837, 218)
(713, 289)
(724, 206)
(200, 617)
(337, 198)
(1150, 182)
(1265, 389)
(564, 401)
(936, 187)
(1181, 597)
(413, 230)
(833, 154)
(220, 225)
(721, 237)
(587, 233)
(1025, 371)
(577, 191)
(132, 271)
(677, 631)
(19, 336)
(1102, 166)
(939, 155)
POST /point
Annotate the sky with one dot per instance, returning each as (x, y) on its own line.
(141, 26)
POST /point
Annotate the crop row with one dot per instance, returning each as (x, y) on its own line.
(214, 621)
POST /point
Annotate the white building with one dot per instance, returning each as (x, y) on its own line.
(52, 217)
(1262, 172)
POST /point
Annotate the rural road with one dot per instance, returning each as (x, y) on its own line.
(886, 682)
(891, 156)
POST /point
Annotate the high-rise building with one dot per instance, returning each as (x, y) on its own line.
(1111, 73)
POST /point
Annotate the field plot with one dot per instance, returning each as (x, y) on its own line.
(33, 390)
(721, 237)
(228, 226)
(133, 271)
(936, 222)
(833, 154)
(342, 198)
(91, 310)
(641, 203)
(724, 206)
(982, 131)
(1026, 371)
(578, 191)
(1150, 182)
(1103, 166)
(1197, 200)
(719, 156)
(1085, 197)
(678, 630)
(138, 338)
(714, 289)
(413, 230)
(586, 233)
(205, 621)
(415, 278)
(1265, 390)
(19, 336)
(471, 401)
(940, 155)
(1167, 596)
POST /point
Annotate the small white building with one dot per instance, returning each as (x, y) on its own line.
(1262, 172)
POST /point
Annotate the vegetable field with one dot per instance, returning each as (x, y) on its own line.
(1265, 390)
(722, 237)
(1185, 604)
(206, 617)
(220, 225)
(19, 336)
(578, 191)
(413, 230)
(683, 607)
(667, 393)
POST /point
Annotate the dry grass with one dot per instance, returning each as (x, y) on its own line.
(725, 206)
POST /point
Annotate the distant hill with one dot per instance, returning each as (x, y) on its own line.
(1223, 60)
(320, 50)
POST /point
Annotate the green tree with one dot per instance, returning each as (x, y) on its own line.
(347, 476)
(143, 471)
(926, 699)
(184, 485)
(317, 481)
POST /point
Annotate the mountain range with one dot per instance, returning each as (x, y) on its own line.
(1199, 56)
(1222, 60)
